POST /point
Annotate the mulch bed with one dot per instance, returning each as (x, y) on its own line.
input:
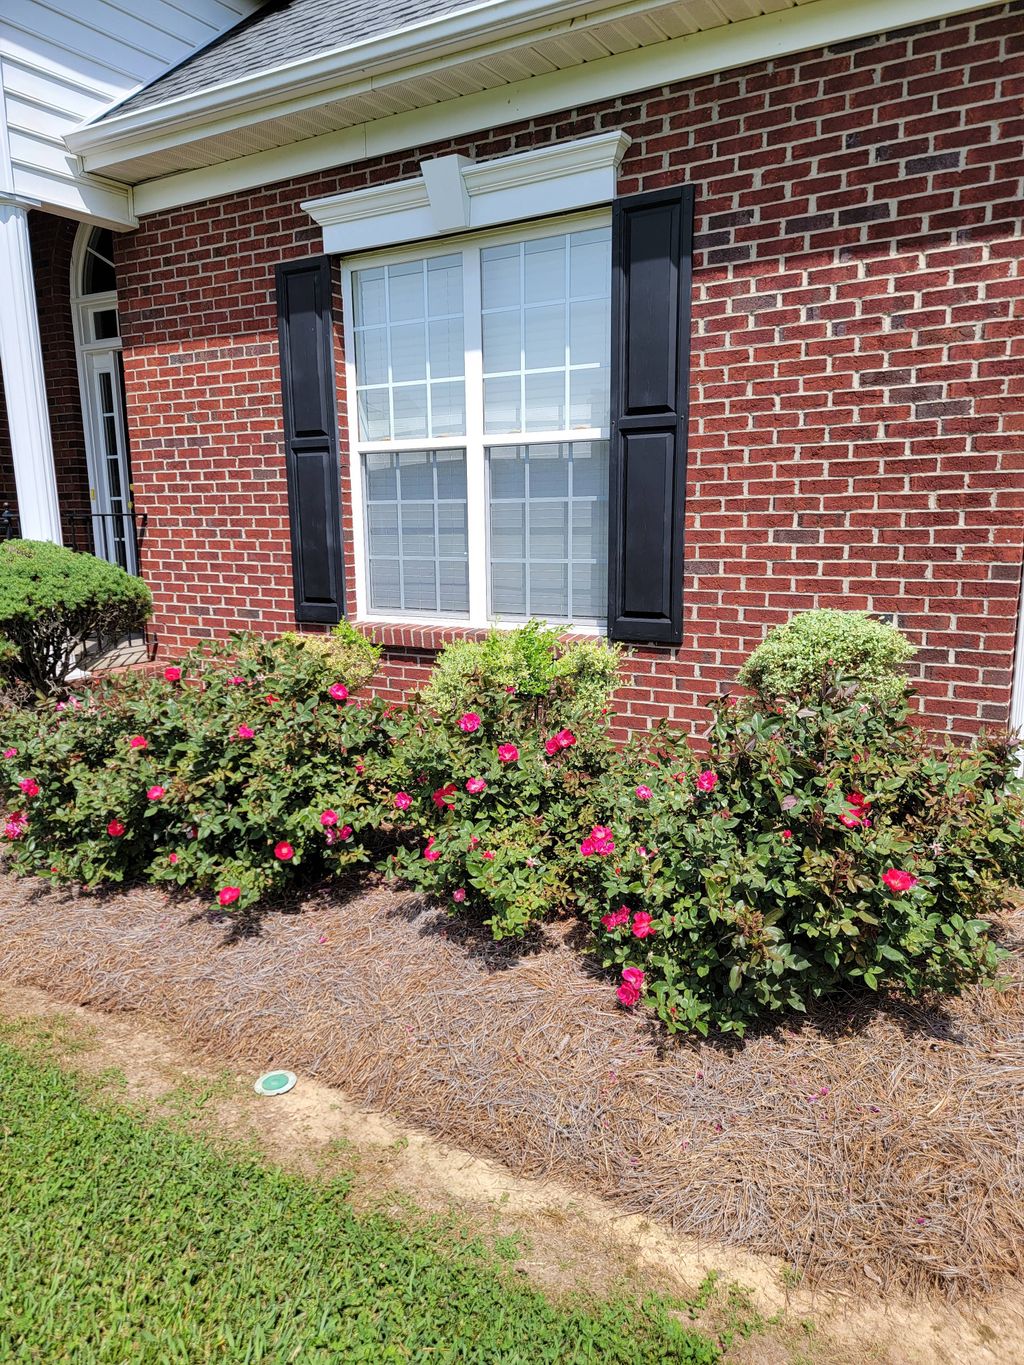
(874, 1144)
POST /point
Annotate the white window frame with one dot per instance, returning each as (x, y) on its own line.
(475, 441)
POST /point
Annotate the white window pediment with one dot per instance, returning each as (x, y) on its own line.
(457, 194)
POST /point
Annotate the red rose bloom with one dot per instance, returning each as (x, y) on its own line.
(508, 753)
(897, 880)
(229, 894)
(643, 926)
(284, 852)
(115, 829)
(444, 797)
(172, 674)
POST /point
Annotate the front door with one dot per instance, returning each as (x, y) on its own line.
(110, 493)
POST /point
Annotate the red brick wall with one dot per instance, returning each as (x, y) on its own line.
(857, 385)
(52, 240)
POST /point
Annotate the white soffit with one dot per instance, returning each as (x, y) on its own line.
(161, 185)
(455, 194)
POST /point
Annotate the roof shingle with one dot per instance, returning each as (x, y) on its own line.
(285, 31)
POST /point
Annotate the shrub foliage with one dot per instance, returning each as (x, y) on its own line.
(53, 599)
(817, 842)
(816, 648)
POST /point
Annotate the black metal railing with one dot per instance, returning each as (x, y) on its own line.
(115, 536)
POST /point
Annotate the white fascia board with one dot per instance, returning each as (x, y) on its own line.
(534, 184)
(310, 80)
(743, 43)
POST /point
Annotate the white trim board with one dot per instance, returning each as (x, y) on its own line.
(742, 43)
(455, 194)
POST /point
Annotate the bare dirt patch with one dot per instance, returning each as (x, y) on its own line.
(862, 1149)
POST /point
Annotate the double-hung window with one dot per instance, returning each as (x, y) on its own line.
(478, 383)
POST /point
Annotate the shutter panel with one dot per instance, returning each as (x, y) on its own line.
(305, 334)
(652, 248)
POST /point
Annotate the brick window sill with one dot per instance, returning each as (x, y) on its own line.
(401, 636)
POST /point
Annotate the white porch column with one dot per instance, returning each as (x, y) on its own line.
(21, 357)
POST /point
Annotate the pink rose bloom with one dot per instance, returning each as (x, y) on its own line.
(444, 797)
(229, 894)
(329, 817)
(600, 832)
(155, 793)
(615, 918)
(474, 839)
(172, 858)
(707, 781)
(565, 739)
(345, 832)
(138, 742)
(15, 825)
(508, 753)
(587, 847)
(475, 786)
(245, 732)
(850, 821)
(488, 855)
(403, 801)
(172, 674)
(10, 753)
(360, 770)
(632, 986)
(896, 880)
(459, 895)
(786, 835)
(236, 680)
(115, 829)
(643, 793)
(284, 852)
(643, 926)
(431, 853)
(469, 722)
(30, 786)
(551, 747)
(338, 691)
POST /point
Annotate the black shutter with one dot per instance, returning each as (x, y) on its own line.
(305, 335)
(652, 248)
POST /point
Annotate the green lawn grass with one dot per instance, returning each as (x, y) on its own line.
(128, 1241)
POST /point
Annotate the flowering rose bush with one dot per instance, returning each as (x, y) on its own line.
(491, 802)
(245, 769)
(813, 848)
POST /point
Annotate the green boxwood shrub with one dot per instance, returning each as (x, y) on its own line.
(531, 663)
(51, 600)
(816, 649)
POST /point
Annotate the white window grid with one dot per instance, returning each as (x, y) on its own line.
(476, 442)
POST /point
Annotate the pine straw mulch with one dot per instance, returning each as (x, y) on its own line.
(869, 1145)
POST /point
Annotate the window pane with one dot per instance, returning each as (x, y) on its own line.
(556, 336)
(545, 337)
(410, 411)
(547, 530)
(448, 408)
(408, 352)
(406, 292)
(545, 401)
(502, 404)
(502, 341)
(416, 531)
(499, 276)
(588, 398)
(544, 269)
(374, 415)
(369, 298)
(408, 335)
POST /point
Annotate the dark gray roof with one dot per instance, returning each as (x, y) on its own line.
(286, 31)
